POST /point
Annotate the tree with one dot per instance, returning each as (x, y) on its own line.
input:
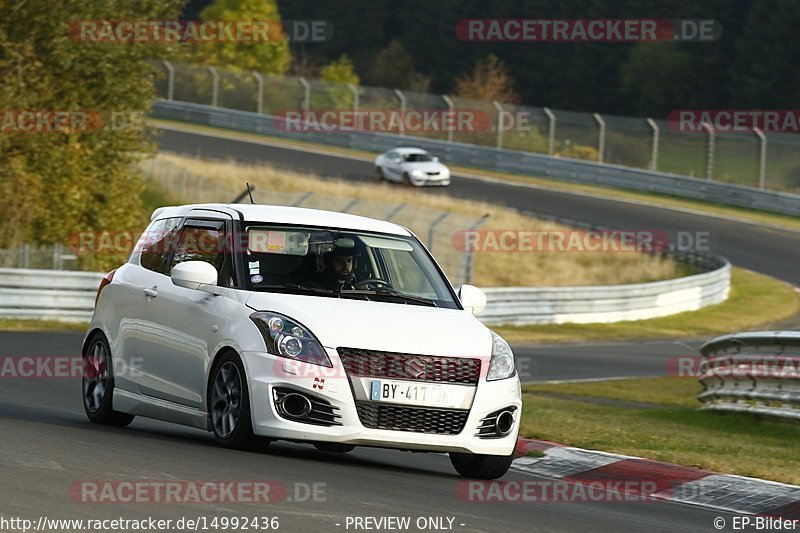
(56, 183)
(272, 57)
(340, 71)
(490, 79)
(394, 68)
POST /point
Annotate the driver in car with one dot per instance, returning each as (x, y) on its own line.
(338, 271)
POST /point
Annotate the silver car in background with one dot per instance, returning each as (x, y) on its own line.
(412, 166)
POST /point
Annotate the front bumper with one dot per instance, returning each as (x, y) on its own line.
(266, 372)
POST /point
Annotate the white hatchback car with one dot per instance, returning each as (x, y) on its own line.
(412, 166)
(263, 322)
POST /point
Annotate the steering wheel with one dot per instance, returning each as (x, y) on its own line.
(372, 281)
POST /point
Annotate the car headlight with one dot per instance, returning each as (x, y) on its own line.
(501, 366)
(285, 337)
(417, 173)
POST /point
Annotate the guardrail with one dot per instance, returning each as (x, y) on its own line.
(503, 160)
(613, 303)
(756, 372)
(69, 296)
(61, 295)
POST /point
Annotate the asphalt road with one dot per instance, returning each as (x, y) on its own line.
(50, 448)
(772, 251)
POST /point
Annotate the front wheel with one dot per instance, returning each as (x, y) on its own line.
(477, 466)
(97, 384)
(379, 174)
(229, 404)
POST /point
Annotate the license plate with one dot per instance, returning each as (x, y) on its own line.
(422, 394)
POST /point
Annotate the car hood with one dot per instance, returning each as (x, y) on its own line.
(392, 327)
(425, 166)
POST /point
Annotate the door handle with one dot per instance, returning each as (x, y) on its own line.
(152, 292)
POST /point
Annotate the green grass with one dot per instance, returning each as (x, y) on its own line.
(755, 301)
(7, 324)
(661, 200)
(670, 427)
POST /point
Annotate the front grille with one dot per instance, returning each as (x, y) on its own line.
(323, 413)
(432, 173)
(416, 419)
(390, 365)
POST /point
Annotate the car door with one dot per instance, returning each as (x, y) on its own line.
(177, 329)
(394, 166)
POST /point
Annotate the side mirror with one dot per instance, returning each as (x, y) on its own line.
(435, 159)
(472, 298)
(193, 274)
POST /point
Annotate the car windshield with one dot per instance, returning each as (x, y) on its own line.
(340, 263)
(417, 158)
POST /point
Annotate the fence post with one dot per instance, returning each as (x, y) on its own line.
(170, 79)
(601, 136)
(306, 94)
(468, 259)
(215, 86)
(24, 255)
(349, 206)
(551, 130)
(395, 212)
(402, 98)
(354, 89)
(710, 155)
(762, 158)
(500, 125)
(654, 148)
(451, 110)
(432, 228)
(260, 102)
(303, 197)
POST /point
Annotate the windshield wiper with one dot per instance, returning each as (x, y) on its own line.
(301, 288)
(392, 293)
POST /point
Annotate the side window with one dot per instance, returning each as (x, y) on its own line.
(204, 244)
(155, 244)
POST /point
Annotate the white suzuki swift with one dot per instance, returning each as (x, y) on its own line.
(263, 322)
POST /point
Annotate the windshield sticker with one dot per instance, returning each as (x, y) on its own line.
(258, 278)
(278, 242)
(255, 267)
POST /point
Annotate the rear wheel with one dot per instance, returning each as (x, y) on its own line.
(477, 466)
(97, 384)
(334, 447)
(229, 404)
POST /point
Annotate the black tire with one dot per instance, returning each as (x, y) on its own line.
(407, 179)
(334, 447)
(379, 174)
(229, 404)
(476, 466)
(97, 384)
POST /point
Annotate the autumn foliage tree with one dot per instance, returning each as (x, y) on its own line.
(490, 79)
(71, 179)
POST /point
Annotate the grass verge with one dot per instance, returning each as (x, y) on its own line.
(755, 301)
(8, 324)
(658, 418)
(660, 200)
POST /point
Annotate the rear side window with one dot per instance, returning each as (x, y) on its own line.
(155, 244)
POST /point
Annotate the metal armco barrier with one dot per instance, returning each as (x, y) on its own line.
(613, 303)
(482, 157)
(48, 294)
(69, 296)
(757, 372)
